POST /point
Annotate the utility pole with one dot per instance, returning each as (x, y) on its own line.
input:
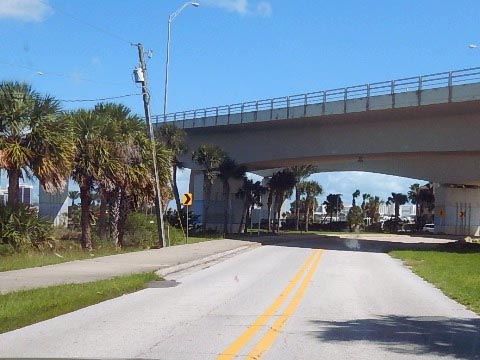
(151, 136)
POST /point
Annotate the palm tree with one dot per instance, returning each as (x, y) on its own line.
(333, 204)
(175, 139)
(133, 180)
(301, 173)
(311, 189)
(227, 170)
(398, 199)
(34, 139)
(73, 195)
(426, 199)
(209, 157)
(94, 162)
(280, 184)
(251, 193)
(371, 207)
(365, 198)
(412, 195)
(354, 196)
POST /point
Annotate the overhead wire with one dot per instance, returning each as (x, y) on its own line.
(98, 28)
(100, 99)
(73, 77)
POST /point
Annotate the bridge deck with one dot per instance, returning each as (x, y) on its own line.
(453, 86)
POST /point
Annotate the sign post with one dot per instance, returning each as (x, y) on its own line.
(187, 200)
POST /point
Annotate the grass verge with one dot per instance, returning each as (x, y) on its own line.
(31, 259)
(455, 273)
(22, 308)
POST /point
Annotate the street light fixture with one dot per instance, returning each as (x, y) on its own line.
(172, 17)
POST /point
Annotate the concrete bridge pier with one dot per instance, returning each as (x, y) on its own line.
(216, 209)
(457, 209)
(54, 207)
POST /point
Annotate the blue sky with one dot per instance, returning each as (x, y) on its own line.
(229, 51)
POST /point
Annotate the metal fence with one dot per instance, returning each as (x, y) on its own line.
(416, 84)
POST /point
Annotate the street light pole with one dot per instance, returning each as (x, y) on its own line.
(171, 17)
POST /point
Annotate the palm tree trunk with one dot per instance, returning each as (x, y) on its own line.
(13, 186)
(207, 190)
(297, 208)
(278, 207)
(176, 195)
(397, 210)
(114, 215)
(123, 212)
(247, 220)
(85, 199)
(226, 197)
(269, 207)
(102, 218)
(244, 212)
(307, 215)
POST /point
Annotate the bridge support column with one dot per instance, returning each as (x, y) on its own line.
(54, 207)
(457, 209)
(217, 203)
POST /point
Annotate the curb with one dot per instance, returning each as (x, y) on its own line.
(176, 268)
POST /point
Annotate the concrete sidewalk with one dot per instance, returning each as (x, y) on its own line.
(165, 260)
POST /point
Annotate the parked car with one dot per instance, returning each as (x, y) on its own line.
(430, 228)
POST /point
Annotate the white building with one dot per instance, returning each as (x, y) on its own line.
(24, 194)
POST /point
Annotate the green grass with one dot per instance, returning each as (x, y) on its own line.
(22, 308)
(31, 259)
(35, 258)
(456, 274)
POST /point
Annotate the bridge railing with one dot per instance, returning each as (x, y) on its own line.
(366, 91)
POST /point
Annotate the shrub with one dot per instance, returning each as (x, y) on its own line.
(21, 228)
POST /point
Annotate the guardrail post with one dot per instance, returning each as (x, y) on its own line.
(392, 91)
(288, 106)
(324, 101)
(345, 97)
(271, 109)
(241, 113)
(194, 117)
(419, 92)
(228, 115)
(256, 111)
(204, 117)
(216, 116)
(368, 97)
(305, 103)
(450, 86)
(183, 120)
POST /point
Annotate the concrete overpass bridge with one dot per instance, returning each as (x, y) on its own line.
(425, 127)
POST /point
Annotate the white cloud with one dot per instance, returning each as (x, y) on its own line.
(242, 7)
(25, 10)
(96, 60)
(264, 9)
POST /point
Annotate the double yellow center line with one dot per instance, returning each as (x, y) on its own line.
(264, 344)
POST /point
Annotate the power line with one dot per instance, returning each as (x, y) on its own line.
(100, 99)
(87, 100)
(73, 77)
(95, 27)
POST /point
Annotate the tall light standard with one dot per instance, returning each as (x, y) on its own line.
(172, 17)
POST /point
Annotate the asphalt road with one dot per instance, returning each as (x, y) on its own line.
(316, 299)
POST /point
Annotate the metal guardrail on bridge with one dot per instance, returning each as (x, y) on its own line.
(366, 91)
